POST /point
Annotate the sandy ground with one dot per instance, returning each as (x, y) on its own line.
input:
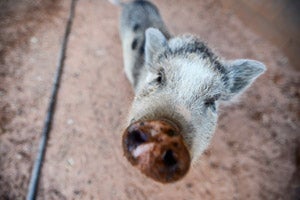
(255, 153)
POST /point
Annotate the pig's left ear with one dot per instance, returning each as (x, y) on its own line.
(155, 42)
(240, 75)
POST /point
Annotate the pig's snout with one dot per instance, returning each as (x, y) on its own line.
(157, 149)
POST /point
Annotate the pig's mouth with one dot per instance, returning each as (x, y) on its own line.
(157, 149)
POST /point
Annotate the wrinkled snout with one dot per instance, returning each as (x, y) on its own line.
(157, 149)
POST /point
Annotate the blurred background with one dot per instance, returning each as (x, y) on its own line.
(255, 153)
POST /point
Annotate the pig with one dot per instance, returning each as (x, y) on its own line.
(179, 84)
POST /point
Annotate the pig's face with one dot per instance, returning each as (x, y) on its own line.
(175, 110)
(184, 91)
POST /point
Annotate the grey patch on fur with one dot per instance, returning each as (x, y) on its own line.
(136, 27)
(134, 44)
(191, 45)
(136, 17)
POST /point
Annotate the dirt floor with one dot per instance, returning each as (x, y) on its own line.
(255, 153)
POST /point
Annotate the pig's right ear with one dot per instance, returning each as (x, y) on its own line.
(155, 42)
(240, 75)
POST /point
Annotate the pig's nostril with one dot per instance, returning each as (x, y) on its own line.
(136, 138)
(169, 159)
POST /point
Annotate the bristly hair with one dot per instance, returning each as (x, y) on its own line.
(189, 44)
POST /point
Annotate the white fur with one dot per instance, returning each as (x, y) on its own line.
(141, 149)
(185, 112)
(192, 75)
(128, 55)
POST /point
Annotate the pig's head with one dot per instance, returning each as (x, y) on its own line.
(175, 111)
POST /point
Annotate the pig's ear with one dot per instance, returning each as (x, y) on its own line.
(240, 75)
(155, 42)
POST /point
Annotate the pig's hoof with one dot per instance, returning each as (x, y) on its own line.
(157, 149)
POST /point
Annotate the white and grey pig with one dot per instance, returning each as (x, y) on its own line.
(179, 83)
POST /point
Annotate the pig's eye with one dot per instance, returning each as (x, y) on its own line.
(211, 102)
(159, 78)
